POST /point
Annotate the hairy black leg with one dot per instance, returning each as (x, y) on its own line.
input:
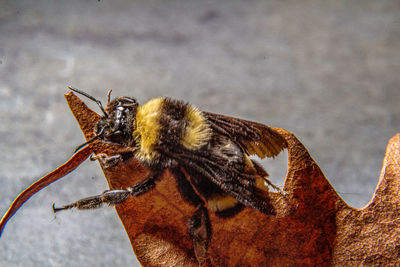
(200, 232)
(110, 197)
(199, 226)
(186, 189)
(142, 187)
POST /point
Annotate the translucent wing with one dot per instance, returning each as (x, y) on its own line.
(255, 138)
(229, 178)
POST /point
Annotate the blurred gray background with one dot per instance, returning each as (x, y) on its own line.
(328, 71)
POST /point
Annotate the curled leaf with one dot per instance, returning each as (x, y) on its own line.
(53, 176)
(313, 225)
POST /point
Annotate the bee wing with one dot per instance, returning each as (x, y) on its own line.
(255, 138)
(230, 179)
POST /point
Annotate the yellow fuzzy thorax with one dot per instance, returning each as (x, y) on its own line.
(197, 132)
(147, 128)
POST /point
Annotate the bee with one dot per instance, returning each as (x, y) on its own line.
(208, 155)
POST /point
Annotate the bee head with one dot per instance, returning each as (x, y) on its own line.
(118, 121)
(117, 124)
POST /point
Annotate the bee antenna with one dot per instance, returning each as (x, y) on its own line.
(108, 96)
(98, 102)
(100, 134)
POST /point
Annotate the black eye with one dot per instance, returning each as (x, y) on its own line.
(116, 137)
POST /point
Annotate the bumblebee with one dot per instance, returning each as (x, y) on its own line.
(208, 154)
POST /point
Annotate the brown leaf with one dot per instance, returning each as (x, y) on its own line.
(46, 180)
(302, 232)
(313, 225)
(371, 236)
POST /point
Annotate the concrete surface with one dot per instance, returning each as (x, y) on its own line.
(326, 70)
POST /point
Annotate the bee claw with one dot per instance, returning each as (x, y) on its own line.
(58, 209)
(93, 157)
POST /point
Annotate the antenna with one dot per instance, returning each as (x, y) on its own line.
(87, 142)
(108, 97)
(98, 102)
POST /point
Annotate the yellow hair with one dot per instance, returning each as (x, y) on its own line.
(197, 132)
(147, 128)
(220, 203)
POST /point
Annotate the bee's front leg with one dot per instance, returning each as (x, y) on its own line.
(111, 161)
(200, 232)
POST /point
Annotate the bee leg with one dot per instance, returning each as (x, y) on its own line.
(110, 197)
(107, 161)
(111, 161)
(200, 232)
(283, 193)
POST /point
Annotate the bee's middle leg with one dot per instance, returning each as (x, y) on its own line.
(110, 197)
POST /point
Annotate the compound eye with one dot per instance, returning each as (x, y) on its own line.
(115, 137)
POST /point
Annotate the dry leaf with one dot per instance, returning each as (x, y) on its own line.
(46, 180)
(313, 225)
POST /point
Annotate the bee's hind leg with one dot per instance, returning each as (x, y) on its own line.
(200, 232)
